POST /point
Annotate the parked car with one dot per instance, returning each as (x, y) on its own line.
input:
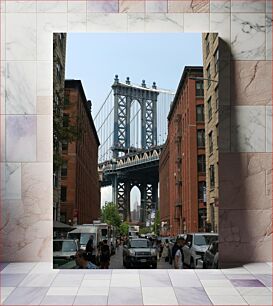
(196, 246)
(64, 250)
(211, 256)
(139, 252)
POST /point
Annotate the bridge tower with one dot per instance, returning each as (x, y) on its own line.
(124, 95)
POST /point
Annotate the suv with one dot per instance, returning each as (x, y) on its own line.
(139, 252)
(196, 246)
(64, 250)
(211, 256)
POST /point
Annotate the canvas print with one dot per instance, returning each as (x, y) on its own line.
(135, 133)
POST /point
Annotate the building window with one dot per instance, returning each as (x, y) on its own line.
(208, 76)
(209, 108)
(64, 145)
(201, 191)
(200, 113)
(64, 168)
(200, 138)
(199, 89)
(201, 163)
(210, 143)
(65, 120)
(216, 61)
(216, 98)
(63, 193)
(207, 46)
(66, 101)
(211, 175)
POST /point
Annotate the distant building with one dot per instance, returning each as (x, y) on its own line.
(59, 53)
(80, 190)
(211, 62)
(182, 163)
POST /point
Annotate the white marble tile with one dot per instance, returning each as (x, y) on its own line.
(58, 300)
(44, 105)
(77, 22)
(20, 138)
(268, 23)
(227, 300)
(67, 280)
(3, 36)
(37, 191)
(26, 296)
(21, 6)
(249, 6)
(44, 268)
(125, 296)
(220, 6)
(248, 129)
(96, 283)
(44, 139)
(198, 22)
(216, 283)
(21, 36)
(62, 291)
(5, 292)
(20, 87)
(248, 36)
(97, 276)
(123, 280)
(3, 138)
(3, 6)
(11, 175)
(259, 300)
(77, 6)
(246, 291)
(131, 6)
(160, 22)
(156, 6)
(268, 128)
(57, 6)
(136, 22)
(220, 23)
(3, 86)
(47, 23)
(99, 22)
(18, 267)
(38, 280)
(85, 291)
(212, 291)
(44, 78)
(269, 6)
(103, 6)
(258, 268)
(159, 296)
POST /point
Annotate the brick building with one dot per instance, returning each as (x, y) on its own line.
(80, 190)
(182, 164)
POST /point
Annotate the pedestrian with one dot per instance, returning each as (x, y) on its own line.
(105, 255)
(82, 261)
(90, 248)
(165, 253)
(179, 254)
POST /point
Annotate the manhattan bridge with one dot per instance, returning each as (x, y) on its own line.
(132, 128)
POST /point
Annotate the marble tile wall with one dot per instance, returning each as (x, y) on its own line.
(245, 167)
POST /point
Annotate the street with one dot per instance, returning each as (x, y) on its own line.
(116, 261)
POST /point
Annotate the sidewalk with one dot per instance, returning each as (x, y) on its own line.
(38, 284)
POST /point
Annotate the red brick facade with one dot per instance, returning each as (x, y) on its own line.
(181, 186)
(82, 204)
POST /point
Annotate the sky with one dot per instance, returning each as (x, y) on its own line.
(95, 59)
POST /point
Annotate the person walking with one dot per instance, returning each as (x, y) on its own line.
(105, 255)
(90, 248)
(179, 255)
(165, 253)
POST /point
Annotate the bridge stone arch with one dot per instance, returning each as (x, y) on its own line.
(124, 95)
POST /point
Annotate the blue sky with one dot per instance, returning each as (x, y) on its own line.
(95, 59)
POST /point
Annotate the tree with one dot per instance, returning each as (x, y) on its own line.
(144, 230)
(110, 214)
(156, 225)
(124, 229)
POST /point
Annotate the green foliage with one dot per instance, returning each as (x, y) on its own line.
(123, 229)
(144, 230)
(156, 225)
(110, 214)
